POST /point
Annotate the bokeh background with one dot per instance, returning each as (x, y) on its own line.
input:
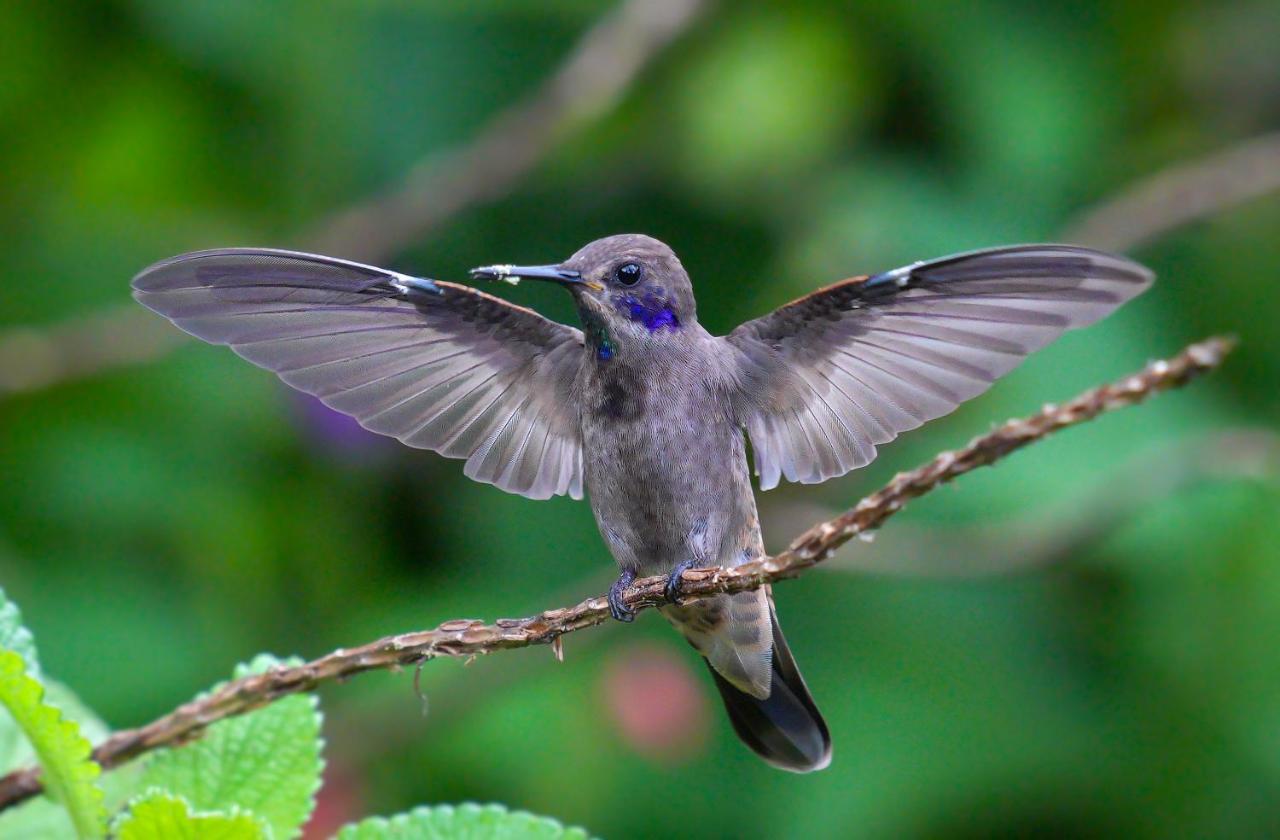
(1081, 641)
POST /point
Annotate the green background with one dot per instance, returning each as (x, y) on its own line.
(1080, 641)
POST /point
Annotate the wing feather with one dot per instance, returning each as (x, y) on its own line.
(436, 365)
(825, 379)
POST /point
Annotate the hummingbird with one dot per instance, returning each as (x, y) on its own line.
(644, 410)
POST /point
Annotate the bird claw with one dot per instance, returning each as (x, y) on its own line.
(675, 580)
(620, 611)
(617, 604)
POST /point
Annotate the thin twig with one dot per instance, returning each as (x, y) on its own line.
(1181, 195)
(588, 84)
(593, 78)
(466, 637)
(32, 358)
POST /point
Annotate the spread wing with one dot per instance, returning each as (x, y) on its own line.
(826, 378)
(436, 365)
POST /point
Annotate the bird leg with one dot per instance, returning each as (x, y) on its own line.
(617, 606)
(676, 578)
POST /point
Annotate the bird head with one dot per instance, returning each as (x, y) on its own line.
(629, 286)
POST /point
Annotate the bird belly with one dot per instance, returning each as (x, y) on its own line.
(668, 481)
(665, 493)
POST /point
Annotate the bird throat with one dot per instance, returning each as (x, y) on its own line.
(652, 310)
(598, 334)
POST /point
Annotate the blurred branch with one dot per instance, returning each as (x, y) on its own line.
(591, 80)
(468, 638)
(588, 84)
(32, 358)
(1180, 195)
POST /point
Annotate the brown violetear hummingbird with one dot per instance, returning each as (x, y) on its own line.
(642, 408)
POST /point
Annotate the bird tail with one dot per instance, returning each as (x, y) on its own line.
(785, 729)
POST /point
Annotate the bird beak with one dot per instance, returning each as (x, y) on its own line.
(513, 274)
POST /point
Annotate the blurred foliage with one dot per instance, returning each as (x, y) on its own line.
(161, 522)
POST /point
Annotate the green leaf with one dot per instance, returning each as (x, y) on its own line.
(69, 774)
(15, 752)
(266, 762)
(15, 637)
(160, 816)
(474, 822)
(41, 817)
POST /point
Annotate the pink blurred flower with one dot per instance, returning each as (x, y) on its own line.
(339, 801)
(659, 706)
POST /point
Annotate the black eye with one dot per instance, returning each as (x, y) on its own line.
(628, 274)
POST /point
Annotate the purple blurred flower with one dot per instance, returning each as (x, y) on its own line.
(337, 434)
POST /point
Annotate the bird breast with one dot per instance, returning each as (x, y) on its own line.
(665, 466)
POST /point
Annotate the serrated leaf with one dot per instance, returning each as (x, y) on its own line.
(266, 762)
(161, 816)
(41, 817)
(20, 753)
(471, 821)
(16, 637)
(70, 776)
(15, 752)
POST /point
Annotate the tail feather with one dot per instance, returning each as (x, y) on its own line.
(732, 634)
(785, 729)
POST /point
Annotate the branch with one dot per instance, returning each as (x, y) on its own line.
(32, 358)
(590, 82)
(467, 637)
(1181, 195)
(594, 76)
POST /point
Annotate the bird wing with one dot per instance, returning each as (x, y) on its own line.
(437, 365)
(821, 381)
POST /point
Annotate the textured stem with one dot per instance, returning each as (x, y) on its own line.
(466, 637)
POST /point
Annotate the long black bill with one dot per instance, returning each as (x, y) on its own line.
(515, 273)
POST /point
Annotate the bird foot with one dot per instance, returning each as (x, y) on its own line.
(617, 606)
(675, 580)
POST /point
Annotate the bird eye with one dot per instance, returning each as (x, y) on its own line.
(628, 274)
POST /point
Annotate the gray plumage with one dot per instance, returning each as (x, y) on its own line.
(643, 407)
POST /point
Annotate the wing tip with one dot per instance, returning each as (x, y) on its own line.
(159, 270)
(902, 277)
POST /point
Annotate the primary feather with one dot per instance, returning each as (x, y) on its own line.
(828, 377)
(436, 365)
